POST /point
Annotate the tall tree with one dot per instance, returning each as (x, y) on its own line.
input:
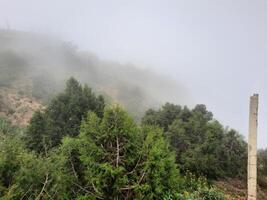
(63, 116)
(121, 160)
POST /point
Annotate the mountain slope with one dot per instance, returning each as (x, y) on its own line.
(45, 63)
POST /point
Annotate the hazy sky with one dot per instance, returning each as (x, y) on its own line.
(217, 49)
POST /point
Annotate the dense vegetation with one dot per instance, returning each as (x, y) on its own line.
(81, 147)
(62, 116)
(200, 142)
(99, 153)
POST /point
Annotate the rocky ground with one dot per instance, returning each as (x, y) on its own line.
(17, 105)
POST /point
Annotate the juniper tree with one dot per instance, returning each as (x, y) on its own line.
(62, 116)
(121, 160)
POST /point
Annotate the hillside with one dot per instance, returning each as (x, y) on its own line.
(16, 105)
(37, 66)
(34, 69)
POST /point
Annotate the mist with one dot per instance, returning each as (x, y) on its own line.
(44, 63)
(213, 52)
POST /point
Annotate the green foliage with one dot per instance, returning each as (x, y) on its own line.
(201, 144)
(7, 128)
(62, 116)
(120, 160)
(24, 175)
(163, 117)
(199, 189)
(10, 150)
(206, 193)
(196, 188)
(104, 154)
(262, 159)
(36, 132)
(262, 168)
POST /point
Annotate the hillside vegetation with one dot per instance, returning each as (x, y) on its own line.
(61, 139)
(79, 148)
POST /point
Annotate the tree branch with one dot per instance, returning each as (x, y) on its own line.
(118, 152)
(73, 169)
(44, 185)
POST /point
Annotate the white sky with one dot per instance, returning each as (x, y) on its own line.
(217, 48)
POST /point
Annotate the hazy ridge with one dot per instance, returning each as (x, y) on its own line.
(43, 64)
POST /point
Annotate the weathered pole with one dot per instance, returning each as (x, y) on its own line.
(252, 147)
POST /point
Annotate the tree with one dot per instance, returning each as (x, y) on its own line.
(36, 132)
(234, 154)
(202, 145)
(25, 175)
(62, 116)
(164, 117)
(121, 160)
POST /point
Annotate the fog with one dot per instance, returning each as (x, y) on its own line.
(215, 51)
(39, 66)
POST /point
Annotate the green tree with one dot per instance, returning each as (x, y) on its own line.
(36, 132)
(164, 117)
(202, 144)
(234, 154)
(121, 160)
(62, 116)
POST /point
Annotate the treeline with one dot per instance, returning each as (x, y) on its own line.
(202, 145)
(80, 148)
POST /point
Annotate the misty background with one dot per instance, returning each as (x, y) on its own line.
(214, 50)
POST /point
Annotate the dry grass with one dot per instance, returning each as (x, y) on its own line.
(237, 189)
(16, 105)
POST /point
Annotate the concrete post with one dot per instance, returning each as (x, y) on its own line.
(252, 147)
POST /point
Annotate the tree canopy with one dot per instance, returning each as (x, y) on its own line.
(121, 160)
(62, 116)
(201, 143)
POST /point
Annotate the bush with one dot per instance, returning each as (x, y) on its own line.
(195, 188)
(121, 160)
